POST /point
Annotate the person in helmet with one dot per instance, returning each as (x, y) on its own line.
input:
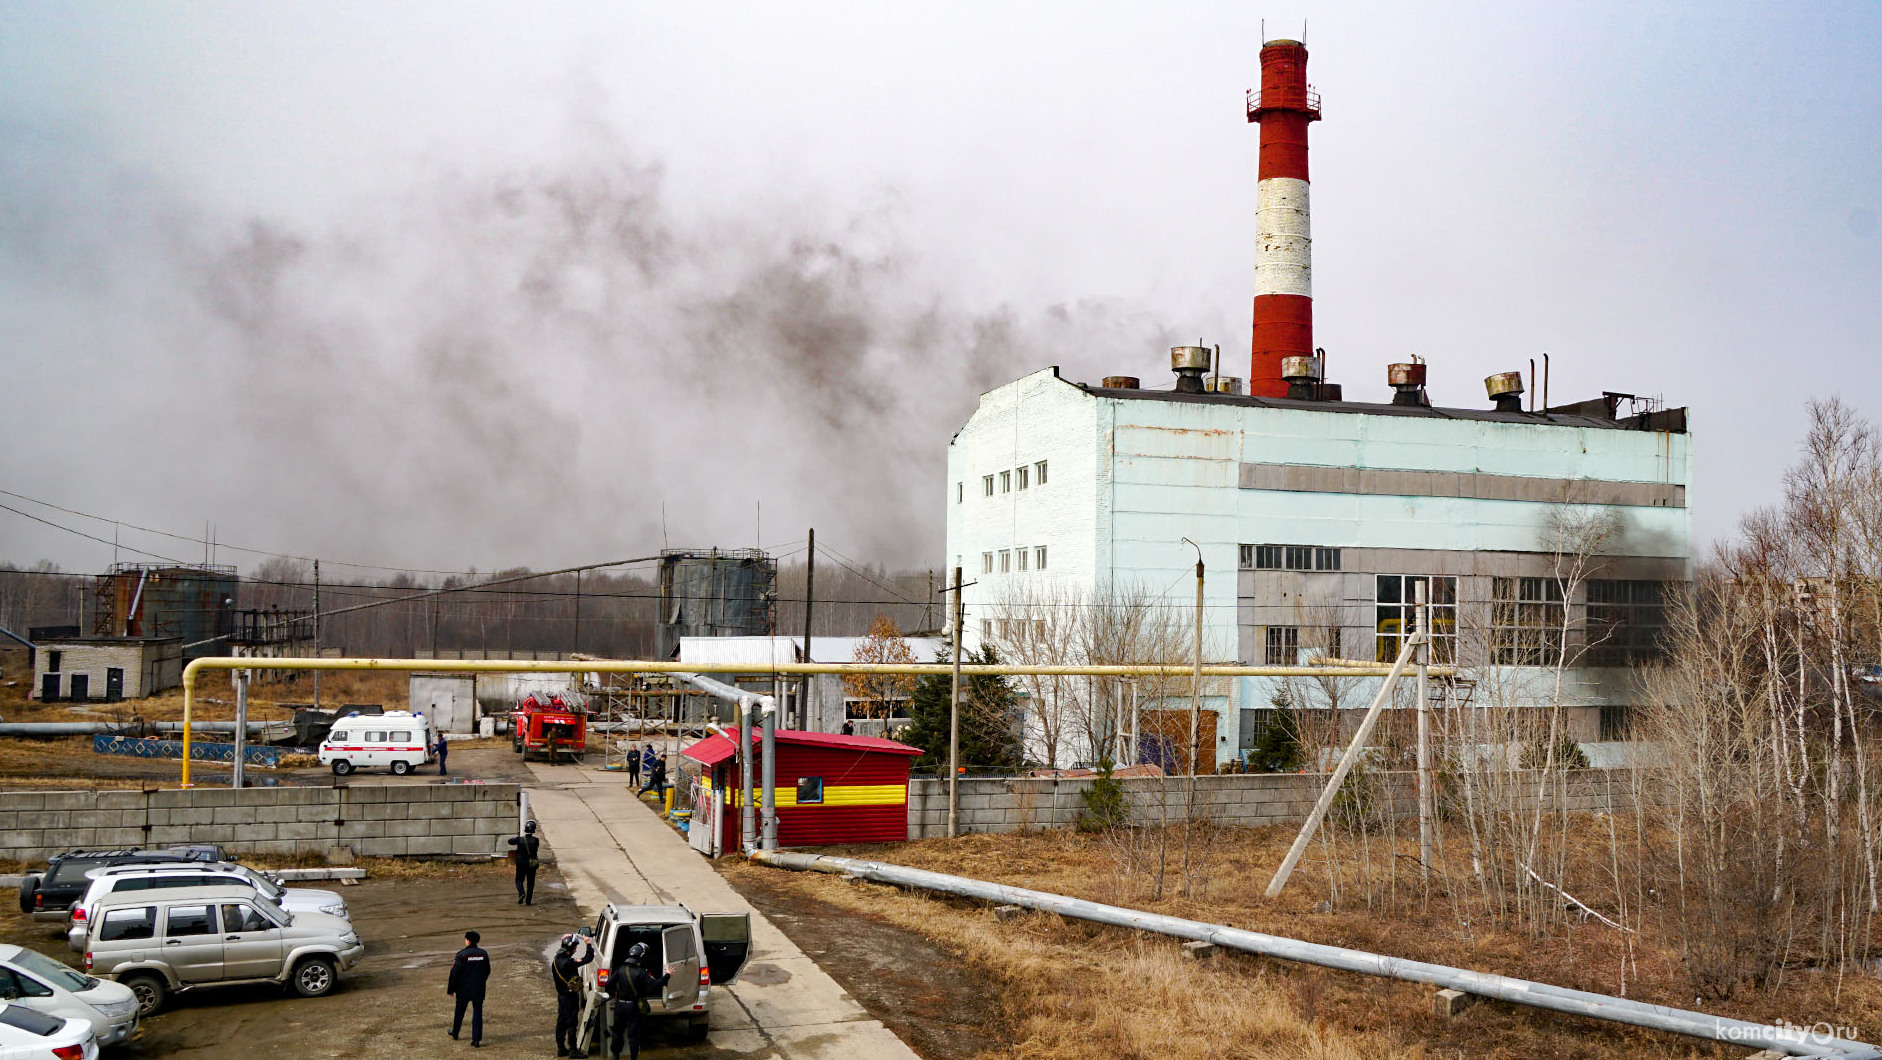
(527, 855)
(628, 983)
(566, 973)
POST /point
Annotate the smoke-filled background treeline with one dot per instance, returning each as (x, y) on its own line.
(607, 612)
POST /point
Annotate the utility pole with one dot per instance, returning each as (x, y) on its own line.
(1195, 720)
(954, 719)
(241, 723)
(1422, 631)
(810, 585)
(578, 614)
(316, 632)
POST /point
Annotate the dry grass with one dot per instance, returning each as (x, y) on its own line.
(1077, 990)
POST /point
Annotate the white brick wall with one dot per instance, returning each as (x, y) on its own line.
(149, 666)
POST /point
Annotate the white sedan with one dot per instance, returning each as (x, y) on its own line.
(29, 1035)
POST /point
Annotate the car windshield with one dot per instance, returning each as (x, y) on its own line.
(46, 968)
(262, 883)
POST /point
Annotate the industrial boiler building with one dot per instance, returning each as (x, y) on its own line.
(1316, 519)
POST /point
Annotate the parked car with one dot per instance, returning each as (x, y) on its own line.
(49, 894)
(29, 1035)
(160, 943)
(138, 876)
(699, 950)
(398, 740)
(36, 981)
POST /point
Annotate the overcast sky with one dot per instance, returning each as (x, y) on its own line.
(451, 284)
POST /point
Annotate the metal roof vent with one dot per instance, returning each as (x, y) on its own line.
(1122, 382)
(1224, 384)
(1506, 389)
(1190, 363)
(1301, 373)
(1409, 382)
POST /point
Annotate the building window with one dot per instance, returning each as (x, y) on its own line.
(1526, 616)
(1019, 556)
(1039, 472)
(1625, 622)
(986, 563)
(986, 485)
(1021, 472)
(1006, 482)
(960, 491)
(809, 791)
(54, 660)
(1039, 557)
(1283, 646)
(1289, 557)
(1615, 722)
(1006, 561)
(1396, 606)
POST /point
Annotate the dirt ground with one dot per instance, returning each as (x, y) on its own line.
(412, 916)
(931, 1000)
(1041, 987)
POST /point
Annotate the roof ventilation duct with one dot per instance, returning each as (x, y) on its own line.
(1506, 390)
(1224, 384)
(1190, 363)
(1122, 382)
(1409, 382)
(1303, 376)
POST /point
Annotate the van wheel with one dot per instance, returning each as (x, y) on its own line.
(400, 767)
(697, 1029)
(341, 767)
(314, 977)
(151, 993)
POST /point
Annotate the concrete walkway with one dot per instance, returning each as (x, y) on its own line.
(611, 847)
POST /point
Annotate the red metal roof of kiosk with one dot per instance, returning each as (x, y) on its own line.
(715, 749)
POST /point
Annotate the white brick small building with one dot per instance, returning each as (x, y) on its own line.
(106, 668)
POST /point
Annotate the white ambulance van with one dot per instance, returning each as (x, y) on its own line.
(397, 740)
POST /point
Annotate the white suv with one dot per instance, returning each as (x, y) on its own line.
(146, 877)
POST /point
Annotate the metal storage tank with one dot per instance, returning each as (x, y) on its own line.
(714, 593)
(195, 604)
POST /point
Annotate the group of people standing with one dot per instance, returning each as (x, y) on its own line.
(653, 765)
(630, 981)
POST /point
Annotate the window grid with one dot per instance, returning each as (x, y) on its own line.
(1526, 621)
(1006, 482)
(1019, 557)
(1283, 646)
(1396, 610)
(1006, 561)
(986, 563)
(1289, 557)
(1021, 473)
(986, 485)
(1625, 622)
(1039, 472)
(1039, 557)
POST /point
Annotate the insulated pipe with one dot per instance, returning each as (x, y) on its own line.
(640, 666)
(768, 829)
(1790, 1040)
(746, 831)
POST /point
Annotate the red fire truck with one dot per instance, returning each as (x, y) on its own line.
(550, 726)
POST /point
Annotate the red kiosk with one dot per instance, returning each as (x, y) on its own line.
(830, 789)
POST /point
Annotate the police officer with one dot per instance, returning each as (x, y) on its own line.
(527, 855)
(469, 972)
(566, 972)
(628, 984)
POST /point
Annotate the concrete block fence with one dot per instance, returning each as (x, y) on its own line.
(370, 820)
(1007, 804)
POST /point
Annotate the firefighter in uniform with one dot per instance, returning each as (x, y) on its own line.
(566, 972)
(629, 984)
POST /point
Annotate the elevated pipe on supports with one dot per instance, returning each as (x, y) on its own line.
(1788, 1040)
(751, 833)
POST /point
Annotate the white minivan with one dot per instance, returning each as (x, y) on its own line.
(398, 740)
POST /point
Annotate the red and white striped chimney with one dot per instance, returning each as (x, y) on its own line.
(1283, 106)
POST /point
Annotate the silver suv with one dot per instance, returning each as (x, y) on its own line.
(121, 879)
(163, 942)
(699, 950)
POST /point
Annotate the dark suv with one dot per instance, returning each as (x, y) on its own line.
(49, 895)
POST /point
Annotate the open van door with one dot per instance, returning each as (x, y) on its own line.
(683, 964)
(728, 943)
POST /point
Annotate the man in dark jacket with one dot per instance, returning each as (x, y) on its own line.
(469, 972)
(444, 748)
(527, 855)
(628, 983)
(566, 972)
(633, 769)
